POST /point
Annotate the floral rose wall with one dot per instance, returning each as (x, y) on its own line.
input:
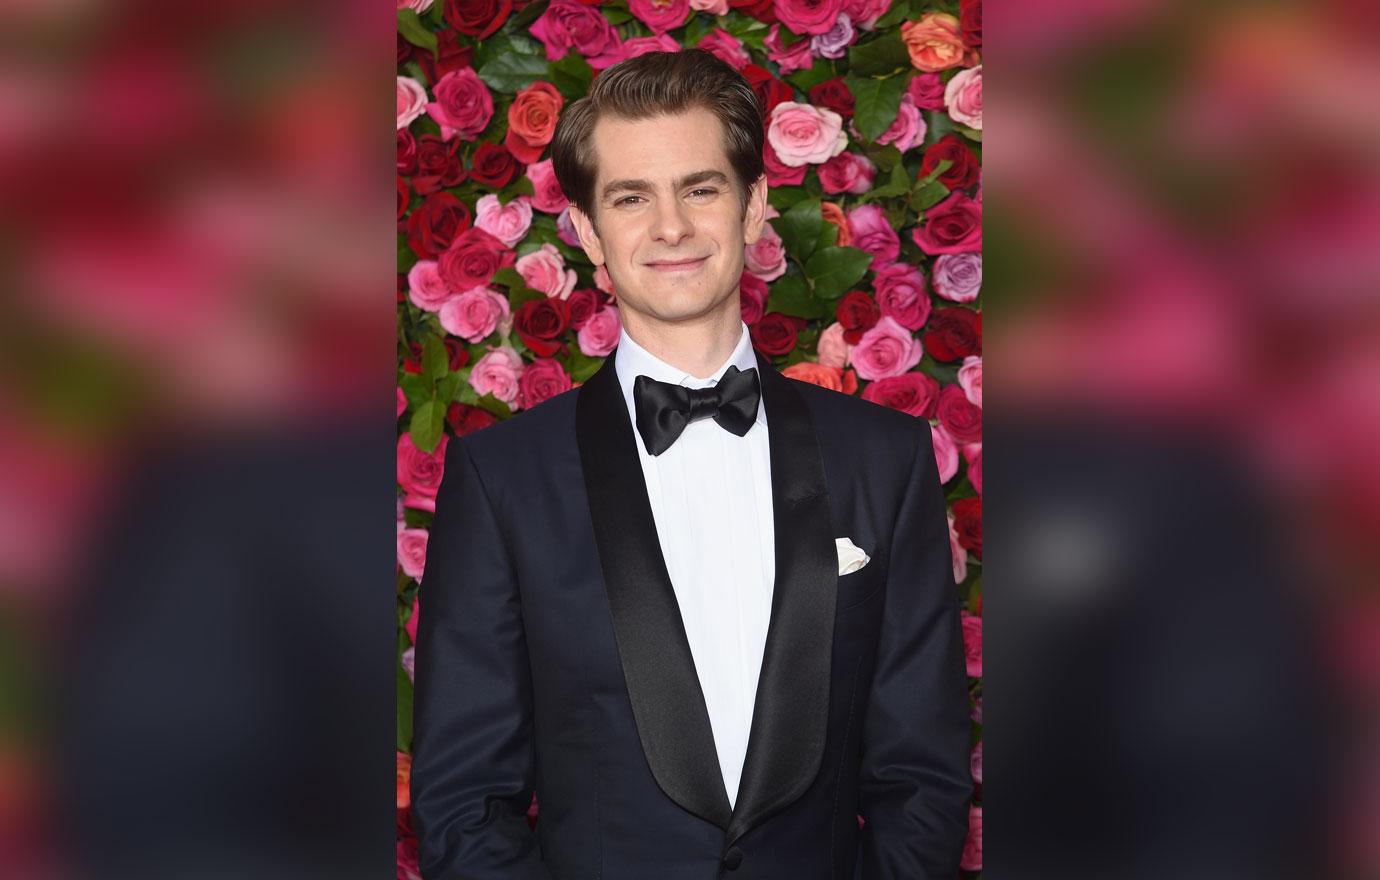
(867, 281)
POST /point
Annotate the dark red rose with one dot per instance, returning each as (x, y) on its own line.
(438, 164)
(954, 226)
(776, 333)
(465, 419)
(962, 174)
(953, 333)
(770, 90)
(539, 323)
(456, 351)
(970, 22)
(451, 54)
(472, 259)
(405, 50)
(493, 165)
(402, 288)
(478, 18)
(834, 95)
(413, 362)
(403, 197)
(435, 223)
(858, 313)
(912, 393)
(957, 414)
(407, 153)
(968, 524)
(584, 302)
(762, 10)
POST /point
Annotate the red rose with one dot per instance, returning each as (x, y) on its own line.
(912, 393)
(833, 94)
(493, 165)
(776, 333)
(953, 333)
(459, 355)
(778, 172)
(407, 153)
(542, 380)
(954, 226)
(962, 174)
(957, 414)
(532, 120)
(403, 197)
(451, 54)
(402, 288)
(770, 90)
(404, 50)
(752, 297)
(968, 524)
(857, 312)
(762, 10)
(472, 259)
(970, 22)
(438, 164)
(413, 362)
(465, 419)
(477, 18)
(539, 322)
(435, 223)
(583, 303)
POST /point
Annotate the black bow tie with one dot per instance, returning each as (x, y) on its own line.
(663, 409)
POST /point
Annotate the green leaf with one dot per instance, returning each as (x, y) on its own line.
(789, 295)
(416, 33)
(417, 389)
(898, 185)
(698, 28)
(971, 134)
(876, 102)
(580, 365)
(944, 165)
(879, 57)
(528, 15)
(435, 359)
(513, 72)
(799, 228)
(817, 73)
(509, 277)
(407, 258)
(836, 269)
(928, 196)
(572, 75)
(447, 388)
(616, 16)
(894, 16)
(492, 404)
(828, 236)
(519, 294)
(427, 423)
(884, 156)
(783, 198)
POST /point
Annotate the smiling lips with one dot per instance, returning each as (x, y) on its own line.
(678, 266)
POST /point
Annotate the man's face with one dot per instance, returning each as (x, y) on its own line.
(666, 195)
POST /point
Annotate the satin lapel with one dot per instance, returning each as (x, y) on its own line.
(790, 717)
(667, 702)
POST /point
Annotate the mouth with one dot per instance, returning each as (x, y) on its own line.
(678, 265)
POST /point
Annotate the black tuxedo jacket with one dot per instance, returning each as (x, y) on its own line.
(551, 657)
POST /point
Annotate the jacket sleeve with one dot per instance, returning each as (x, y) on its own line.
(915, 783)
(473, 761)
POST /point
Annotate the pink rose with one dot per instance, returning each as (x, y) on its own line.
(546, 190)
(972, 847)
(411, 100)
(945, 452)
(803, 135)
(543, 379)
(834, 43)
(847, 172)
(808, 16)
(545, 270)
(507, 223)
(409, 665)
(766, 257)
(419, 473)
(779, 173)
(833, 349)
(565, 228)
(972, 454)
(713, 7)
(726, 47)
(963, 95)
(970, 379)
(954, 226)
(959, 555)
(888, 349)
(972, 644)
(927, 91)
(426, 288)
(497, 373)
(412, 552)
(474, 314)
(413, 620)
(402, 406)
(660, 15)
(790, 58)
(642, 45)
(957, 277)
(417, 6)
(603, 281)
(908, 129)
(752, 297)
(866, 12)
(463, 105)
(567, 23)
(598, 337)
(975, 763)
(901, 294)
(872, 232)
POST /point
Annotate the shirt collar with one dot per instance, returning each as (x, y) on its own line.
(632, 360)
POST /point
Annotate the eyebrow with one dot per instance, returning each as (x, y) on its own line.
(707, 175)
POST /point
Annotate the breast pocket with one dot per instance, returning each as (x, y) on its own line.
(858, 587)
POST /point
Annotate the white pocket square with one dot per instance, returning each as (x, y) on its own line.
(851, 556)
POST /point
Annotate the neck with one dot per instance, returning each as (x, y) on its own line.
(699, 347)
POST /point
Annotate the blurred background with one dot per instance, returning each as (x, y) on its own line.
(197, 439)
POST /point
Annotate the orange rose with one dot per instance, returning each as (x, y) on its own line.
(532, 121)
(833, 378)
(935, 42)
(834, 214)
(404, 778)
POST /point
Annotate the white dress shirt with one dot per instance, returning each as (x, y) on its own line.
(711, 499)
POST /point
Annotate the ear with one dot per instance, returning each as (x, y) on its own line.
(589, 239)
(756, 216)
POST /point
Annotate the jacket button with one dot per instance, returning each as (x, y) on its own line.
(733, 858)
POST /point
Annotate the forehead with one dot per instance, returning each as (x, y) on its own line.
(659, 148)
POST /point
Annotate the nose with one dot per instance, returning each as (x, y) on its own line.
(670, 223)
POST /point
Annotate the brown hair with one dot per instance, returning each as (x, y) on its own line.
(651, 85)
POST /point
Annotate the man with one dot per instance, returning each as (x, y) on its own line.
(706, 612)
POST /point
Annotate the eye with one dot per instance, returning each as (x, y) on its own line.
(625, 199)
(704, 190)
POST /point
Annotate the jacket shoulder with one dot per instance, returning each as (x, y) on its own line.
(528, 433)
(865, 428)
